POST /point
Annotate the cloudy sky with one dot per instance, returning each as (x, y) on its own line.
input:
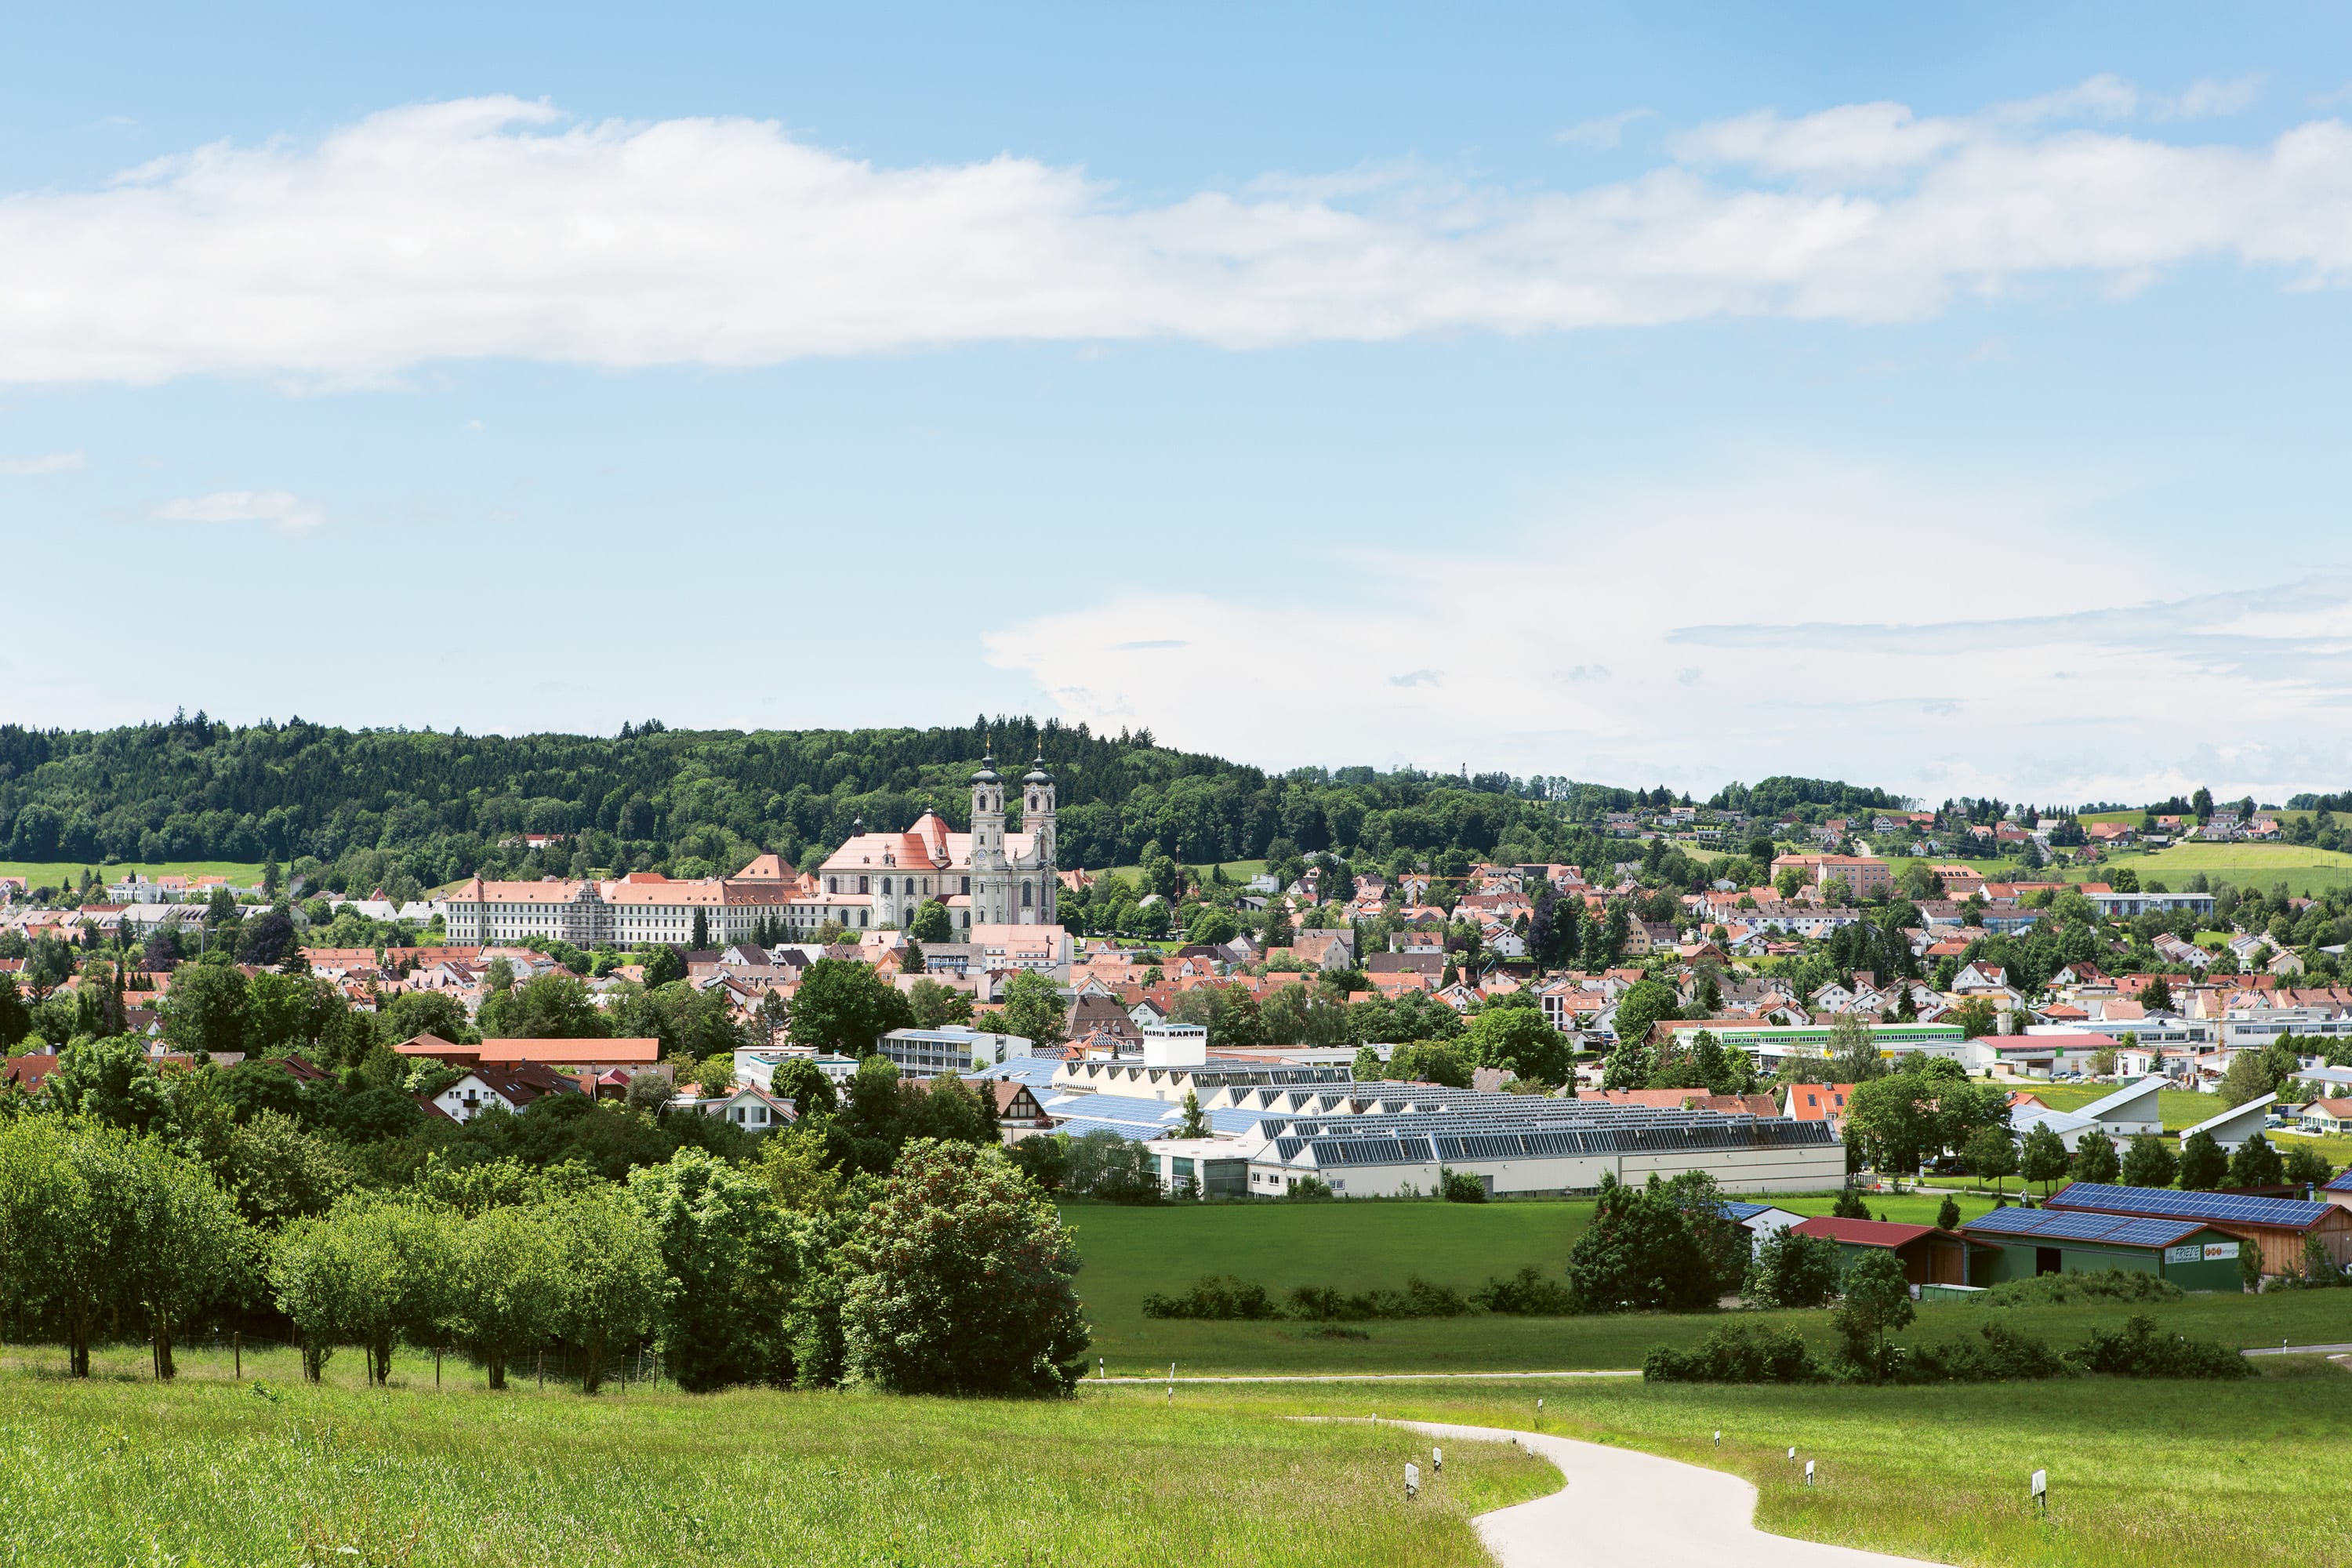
(1649, 393)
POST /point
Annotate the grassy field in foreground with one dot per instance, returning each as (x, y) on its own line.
(54, 873)
(207, 1471)
(1354, 1247)
(2141, 1473)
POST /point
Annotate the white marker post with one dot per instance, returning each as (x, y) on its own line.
(1809, 1472)
(1438, 1461)
(1171, 1383)
(1719, 1437)
(1412, 1480)
(1792, 1455)
(2042, 1491)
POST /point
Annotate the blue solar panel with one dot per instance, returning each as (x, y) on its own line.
(2289, 1213)
(1738, 1211)
(2011, 1222)
(2083, 1224)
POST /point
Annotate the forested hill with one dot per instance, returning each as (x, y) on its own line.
(381, 806)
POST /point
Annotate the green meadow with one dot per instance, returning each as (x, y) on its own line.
(2141, 1473)
(57, 873)
(211, 1471)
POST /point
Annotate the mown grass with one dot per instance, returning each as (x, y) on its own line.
(2141, 1473)
(54, 873)
(1129, 1252)
(206, 1471)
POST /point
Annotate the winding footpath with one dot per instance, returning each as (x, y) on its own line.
(1628, 1510)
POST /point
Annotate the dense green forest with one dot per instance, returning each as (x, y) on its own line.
(402, 808)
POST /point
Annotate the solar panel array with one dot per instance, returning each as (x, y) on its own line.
(1413, 1139)
(2289, 1212)
(2082, 1225)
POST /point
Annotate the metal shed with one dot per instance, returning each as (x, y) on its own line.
(2024, 1243)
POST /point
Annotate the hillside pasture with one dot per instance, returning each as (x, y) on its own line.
(55, 873)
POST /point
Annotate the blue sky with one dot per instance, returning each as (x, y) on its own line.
(1648, 394)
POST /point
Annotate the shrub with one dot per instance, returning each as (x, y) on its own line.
(1746, 1353)
(1849, 1205)
(1999, 1354)
(1418, 1299)
(2060, 1289)
(1460, 1187)
(1215, 1298)
(2139, 1350)
(1311, 1189)
(1527, 1294)
(1791, 1270)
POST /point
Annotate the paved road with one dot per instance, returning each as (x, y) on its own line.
(1369, 1376)
(1637, 1510)
(2297, 1350)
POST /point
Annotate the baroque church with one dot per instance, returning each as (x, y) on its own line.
(985, 877)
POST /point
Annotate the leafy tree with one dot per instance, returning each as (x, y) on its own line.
(372, 1271)
(612, 1270)
(1368, 1067)
(1429, 1062)
(65, 1223)
(1853, 1048)
(1877, 1301)
(204, 1010)
(1948, 1214)
(279, 1173)
(734, 1257)
(1977, 1018)
(1640, 1254)
(803, 1083)
(2043, 1158)
(714, 1076)
(2202, 1163)
(508, 1285)
(1894, 1120)
(1791, 1270)
(2156, 996)
(961, 1281)
(268, 939)
(111, 1082)
(662, 966)
(1033, 1009)
(2256, 1165)
(931, 924)
(1521, 1042)
(2149, 1162)
(549, 1006)
(842, 1008)
(1849, 1204)
(189, 1246)
(434, 1013)
(2307, 1168)
(935, 1005)
(16, 1018)
(2095, 1159)
(700, 938)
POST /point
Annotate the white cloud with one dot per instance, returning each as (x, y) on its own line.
(1606, 131)
(46, 463)
(281, 509)
(2208, 98)
(493, 227)
(1785, 638)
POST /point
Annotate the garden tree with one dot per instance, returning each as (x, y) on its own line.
(434, 1013)
(268, 939)
(66, 1225)
(111, 1082)
(1639, 1254)
(842, 1008)
(1850, 1204)
(935, 1005)
(1991, 1152)
(1297, 1016)
(1033, 1008)
(714, 1076)
(947, 1109)
(2203, 1165)
(1722, 1239)
(1893, 1120)
(1045, 1158)
(2307, 1168)
(1853, 1048)
(188, 1246)
(2156, 996)
(1791, 1270)
(873, 1116)
(1212, 926)
(16, 1018)
(1702, 1061)
(2256, 1165)
(1976, 1018)
(961, 1281)
(1645, 1003)
(1429, 1062)
(803, 1083)
(1195, 1124)
(689, 1024)
(1106, 1165)
(793, 1164)
(650, 1092)
(931, 924)
(278, 1172)
(700, 938)
(2095, 1159)
(1368, 1066)
(549, 1006)
(295, 1012)
(2044, 1157)
(1519, 1040)
(507, 1285)
(616, 1284)
(773, 1016)
(1948, 1214)
(2149, 1162)
(1876, 1301)
(258, 1084)
(204, 1010)
(662, 966)
(373, 1270)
